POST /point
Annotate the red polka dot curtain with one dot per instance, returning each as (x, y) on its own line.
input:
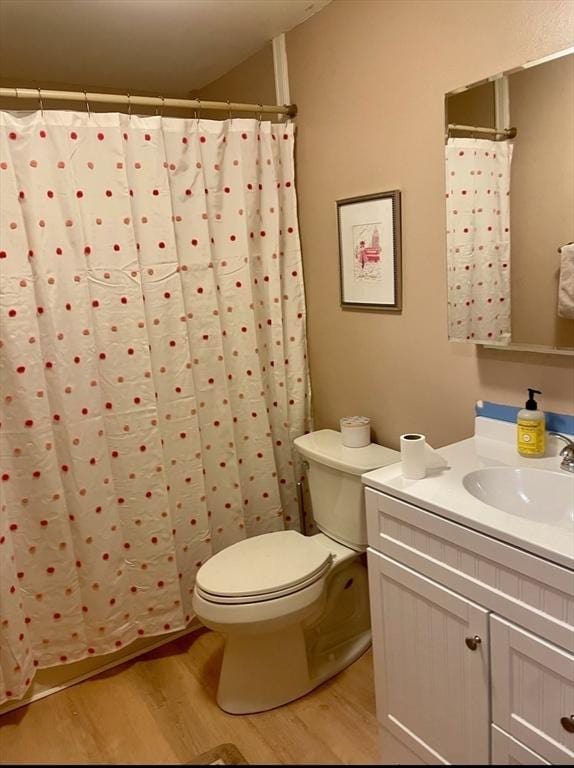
(153, 369)
(478, 239)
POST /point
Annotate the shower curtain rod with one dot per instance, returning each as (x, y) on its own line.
(40, 94)
(509, 133)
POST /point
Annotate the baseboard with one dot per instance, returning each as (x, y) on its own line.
(49, 681)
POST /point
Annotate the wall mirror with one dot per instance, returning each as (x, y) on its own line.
(509, 170)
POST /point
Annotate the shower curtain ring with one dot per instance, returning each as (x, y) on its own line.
(40, 101)
(259, 115)
(162, 105)
(229, 115)
(87, 105)
(129, 107)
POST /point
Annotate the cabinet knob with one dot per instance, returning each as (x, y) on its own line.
(473, 643)
(568, 723)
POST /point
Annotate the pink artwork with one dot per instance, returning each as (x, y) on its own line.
(367, 251)
(370, 250)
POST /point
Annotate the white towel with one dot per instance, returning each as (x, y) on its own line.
(566, 284)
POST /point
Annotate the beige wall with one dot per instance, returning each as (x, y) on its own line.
(252, 82)
(474, 106)
(542, 201)
(369, 79)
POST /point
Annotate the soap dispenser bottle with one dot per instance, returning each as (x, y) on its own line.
(531, 428)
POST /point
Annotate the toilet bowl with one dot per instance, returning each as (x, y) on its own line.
(294, 609)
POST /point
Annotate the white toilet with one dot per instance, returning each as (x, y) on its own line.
(295, 609)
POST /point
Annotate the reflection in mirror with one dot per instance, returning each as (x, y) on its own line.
(510, 207)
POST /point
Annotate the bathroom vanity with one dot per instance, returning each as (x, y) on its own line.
(472, 607)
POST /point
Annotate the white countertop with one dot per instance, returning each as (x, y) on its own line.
(442, 491)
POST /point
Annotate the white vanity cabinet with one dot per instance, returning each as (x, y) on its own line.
(432, 692)
(473, 643)
(509, 751)
(532, 690)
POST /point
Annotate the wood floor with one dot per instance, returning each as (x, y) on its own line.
(160, 708)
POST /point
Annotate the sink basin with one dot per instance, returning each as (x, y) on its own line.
(535, 494)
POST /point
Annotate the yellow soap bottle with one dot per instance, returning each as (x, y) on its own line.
(531, 428)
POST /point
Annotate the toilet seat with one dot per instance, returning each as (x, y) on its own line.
(265, 567)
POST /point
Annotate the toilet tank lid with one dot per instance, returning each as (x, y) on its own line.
(326, 447)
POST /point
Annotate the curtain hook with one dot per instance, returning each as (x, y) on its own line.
(162, 105)
(198, 111)
(39, 99)
(87, 105)
(229, 115)
(259, 116)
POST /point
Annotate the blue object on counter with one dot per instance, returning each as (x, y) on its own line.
(555, 422)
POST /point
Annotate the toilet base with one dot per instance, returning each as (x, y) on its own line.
(261, 671)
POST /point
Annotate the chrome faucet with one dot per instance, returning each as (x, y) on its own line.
(567, 452)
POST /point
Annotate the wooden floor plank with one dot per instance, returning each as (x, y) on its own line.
(160, 708)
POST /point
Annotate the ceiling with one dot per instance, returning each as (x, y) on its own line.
(167, 47)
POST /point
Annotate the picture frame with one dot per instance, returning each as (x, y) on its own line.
(370, 259)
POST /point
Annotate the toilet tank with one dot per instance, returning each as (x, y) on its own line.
(334, 476)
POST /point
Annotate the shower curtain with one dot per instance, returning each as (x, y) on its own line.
(153, 369)
(478, 240)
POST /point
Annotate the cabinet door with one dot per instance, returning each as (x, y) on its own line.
(431, 684)
(533, 691)
(508, 751)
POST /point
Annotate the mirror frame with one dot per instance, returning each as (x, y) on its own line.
(514, 347)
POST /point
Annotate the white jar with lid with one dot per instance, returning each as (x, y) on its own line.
(356, 431)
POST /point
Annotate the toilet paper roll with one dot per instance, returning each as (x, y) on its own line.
(417, 456)
(413, 456)
(355, 431)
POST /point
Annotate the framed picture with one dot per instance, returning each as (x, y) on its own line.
(370, 251)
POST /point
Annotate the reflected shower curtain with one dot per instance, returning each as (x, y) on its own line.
(478, 239)
(153, 369)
